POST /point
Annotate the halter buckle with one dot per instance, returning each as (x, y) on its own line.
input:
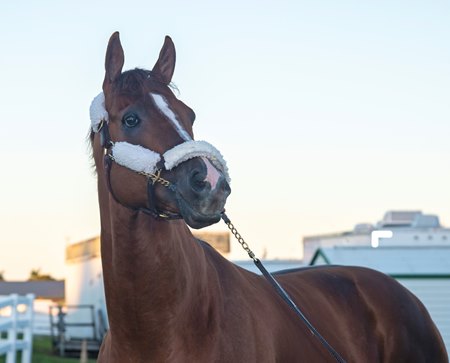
(100, 125)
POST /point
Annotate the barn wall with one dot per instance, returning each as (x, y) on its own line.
(84, 286)
(434, 292)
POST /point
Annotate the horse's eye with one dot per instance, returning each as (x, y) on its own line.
(130, 120)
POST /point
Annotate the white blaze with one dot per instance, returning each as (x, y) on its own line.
(212, 175)
(164, 108)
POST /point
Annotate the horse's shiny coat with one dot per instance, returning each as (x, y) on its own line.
(171, 298)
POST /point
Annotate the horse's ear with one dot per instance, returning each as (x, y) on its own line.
(165, 65)
(114, 60)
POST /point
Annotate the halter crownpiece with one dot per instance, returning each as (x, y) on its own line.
(141, 159)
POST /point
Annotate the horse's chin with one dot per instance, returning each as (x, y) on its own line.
(196, 219)
(197, 223)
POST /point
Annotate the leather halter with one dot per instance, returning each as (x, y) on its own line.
(106, 143)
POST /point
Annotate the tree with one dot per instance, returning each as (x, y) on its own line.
(2, 275)
(37, 275)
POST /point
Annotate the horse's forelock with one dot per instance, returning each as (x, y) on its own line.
(133, 82)
(139, 81)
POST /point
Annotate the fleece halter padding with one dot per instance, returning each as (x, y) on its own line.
(141, 159)
(135, 157)
(98, 112)
(191, 149)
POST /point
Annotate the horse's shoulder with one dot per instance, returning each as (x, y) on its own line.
(296, 270)
(335, 272)
(335, 278)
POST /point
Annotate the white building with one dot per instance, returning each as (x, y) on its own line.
(409, 228)
(84, 286)
(423, 270)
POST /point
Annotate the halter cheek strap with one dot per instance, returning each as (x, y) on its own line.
(152, 210)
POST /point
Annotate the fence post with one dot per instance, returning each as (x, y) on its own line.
(84, 352)
(61, 331)
(28, 331)
(12, 331)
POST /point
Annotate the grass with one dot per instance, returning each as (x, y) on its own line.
(42, 353)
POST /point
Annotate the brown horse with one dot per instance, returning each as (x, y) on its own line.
(172, 298)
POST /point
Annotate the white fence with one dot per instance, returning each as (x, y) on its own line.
(16, 327)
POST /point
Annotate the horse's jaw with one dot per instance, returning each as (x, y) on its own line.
(200, 217)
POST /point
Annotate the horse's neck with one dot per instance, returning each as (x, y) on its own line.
(154, 271)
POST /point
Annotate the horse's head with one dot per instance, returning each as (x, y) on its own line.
(144, 131)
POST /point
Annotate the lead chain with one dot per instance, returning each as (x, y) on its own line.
(239, 238)
(156, 178)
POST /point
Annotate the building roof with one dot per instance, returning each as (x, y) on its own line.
(396, 220)
(392, 260)
(414, 219)
(83, 250)
(41, 289)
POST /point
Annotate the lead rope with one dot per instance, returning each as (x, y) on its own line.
(279, 289)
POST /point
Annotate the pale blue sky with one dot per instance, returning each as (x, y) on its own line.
(328, 113)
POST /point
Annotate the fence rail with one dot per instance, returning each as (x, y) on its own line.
(16, 327)
(68, 337)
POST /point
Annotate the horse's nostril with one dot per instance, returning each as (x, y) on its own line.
(226, 187)
(198, 183)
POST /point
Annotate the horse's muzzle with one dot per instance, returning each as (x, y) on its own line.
(201, 196)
